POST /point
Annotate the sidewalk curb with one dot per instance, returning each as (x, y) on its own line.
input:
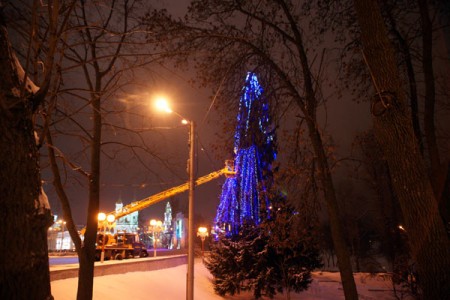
(123, 266)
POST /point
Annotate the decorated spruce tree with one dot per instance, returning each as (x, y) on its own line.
(242, 198)
(262, 245)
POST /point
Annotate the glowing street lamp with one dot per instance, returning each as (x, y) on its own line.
(104, 221)
(163, 105)
(202, 232)
(156, 226)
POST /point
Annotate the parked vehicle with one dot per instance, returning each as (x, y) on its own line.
(119, 246)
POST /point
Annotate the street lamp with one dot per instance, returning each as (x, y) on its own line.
(156, 225)
(202, 232)
(162, 105)
(104, 221)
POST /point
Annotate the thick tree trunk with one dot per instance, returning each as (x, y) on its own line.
(426, 232)
(87, 254)
(24, 270)
(86, 273)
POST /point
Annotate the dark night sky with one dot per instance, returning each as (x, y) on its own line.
(123, 181)
(118, 180)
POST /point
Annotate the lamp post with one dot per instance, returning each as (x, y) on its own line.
(104, 221)
(190, 275)
(156, 225)
(202, 232)
(164, 106)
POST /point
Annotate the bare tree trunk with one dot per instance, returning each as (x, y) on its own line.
(24, 269)
(86, 272)
(86, 248)
(309, 108)
(438, 173)
(337, 235)
(430, 93)
(443, 13)
(59, 188)
(428, 240)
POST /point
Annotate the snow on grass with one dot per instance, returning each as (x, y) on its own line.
(170, 284)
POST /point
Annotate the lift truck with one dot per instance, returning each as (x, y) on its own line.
(119, 246)
(127, 245)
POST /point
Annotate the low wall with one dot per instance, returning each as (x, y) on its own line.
(122, 266)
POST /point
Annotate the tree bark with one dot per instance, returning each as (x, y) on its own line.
(24, 268)
(405, 49)
(393, 129)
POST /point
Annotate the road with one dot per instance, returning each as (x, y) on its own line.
(62, 260)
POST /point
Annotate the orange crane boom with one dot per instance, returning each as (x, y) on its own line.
(228, 170)
(153, 199)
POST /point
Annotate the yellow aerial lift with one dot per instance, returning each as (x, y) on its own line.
(144, 203)
(125, 245)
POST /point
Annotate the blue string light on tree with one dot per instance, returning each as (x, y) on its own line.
(242, 197)
(226, 212)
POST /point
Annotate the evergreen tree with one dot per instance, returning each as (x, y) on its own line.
(230, 261)
(260, 247)
(292, 249)
(274, 256)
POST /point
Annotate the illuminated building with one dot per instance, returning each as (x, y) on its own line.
(128, 223)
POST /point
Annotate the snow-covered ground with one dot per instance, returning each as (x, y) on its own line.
(170, 284)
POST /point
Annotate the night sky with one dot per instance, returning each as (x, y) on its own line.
(129, 181)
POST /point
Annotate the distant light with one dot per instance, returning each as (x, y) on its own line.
(110, 218)
(184, 121)
(202, 229)
(202, 232)
(155, 223)
(101, 216)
